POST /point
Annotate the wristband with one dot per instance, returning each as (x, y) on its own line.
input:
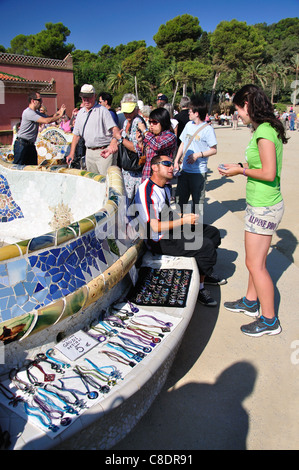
(244, 172)
(202, 155)
(241, 164)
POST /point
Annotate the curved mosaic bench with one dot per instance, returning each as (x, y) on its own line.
(52, 143)
(89, 258)
(50, 277)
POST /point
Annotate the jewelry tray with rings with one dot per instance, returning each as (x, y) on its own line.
(161, 287)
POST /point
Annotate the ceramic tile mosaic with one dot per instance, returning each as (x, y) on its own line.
(9, 209)
(41, 278)
(27, 284)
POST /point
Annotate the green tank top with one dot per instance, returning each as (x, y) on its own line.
(263, 193)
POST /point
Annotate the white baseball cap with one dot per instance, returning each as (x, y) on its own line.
(87, 90)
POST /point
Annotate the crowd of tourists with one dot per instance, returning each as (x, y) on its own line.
(158, 146)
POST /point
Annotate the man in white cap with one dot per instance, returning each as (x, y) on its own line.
(101, 135)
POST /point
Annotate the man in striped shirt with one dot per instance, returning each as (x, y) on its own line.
(166, 230)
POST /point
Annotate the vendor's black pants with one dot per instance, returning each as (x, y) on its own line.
(205, 256)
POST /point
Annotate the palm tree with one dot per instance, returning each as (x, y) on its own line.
(170, 77)
(116, 78)
(255, 72)
(275, 73)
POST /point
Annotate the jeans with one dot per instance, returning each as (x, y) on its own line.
(24, 153)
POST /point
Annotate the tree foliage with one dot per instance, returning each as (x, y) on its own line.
(180, 37)
(235, 43)
(185, 59)
(48, 43)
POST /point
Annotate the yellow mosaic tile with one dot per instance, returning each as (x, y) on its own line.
(9, 251)
(87, 224)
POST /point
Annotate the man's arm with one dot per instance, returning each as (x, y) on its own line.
(74, 143)
(113, 146)
(167, 225)
(48, 120)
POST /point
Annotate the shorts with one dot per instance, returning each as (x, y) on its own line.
(263, 220)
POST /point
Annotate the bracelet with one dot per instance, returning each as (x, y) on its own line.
(202, 155)
(244, 172)
(241, 164)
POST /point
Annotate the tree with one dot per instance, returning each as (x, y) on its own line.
(276, 74)
(136, 61)
(255, 73)
(48, 43)
(117, 78)
(179, 37)
(22, 45)
(195, 72)
(236, 44)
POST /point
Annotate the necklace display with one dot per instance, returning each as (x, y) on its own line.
(52, 392)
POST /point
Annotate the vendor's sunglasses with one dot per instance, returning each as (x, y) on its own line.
(165, 163)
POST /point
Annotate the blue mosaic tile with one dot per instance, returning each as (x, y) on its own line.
(9, 209)
(37, 280)
(38, 243)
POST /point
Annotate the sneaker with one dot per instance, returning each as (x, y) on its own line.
(241, 306)
(215, 280)
(205, 298)
(260, 327)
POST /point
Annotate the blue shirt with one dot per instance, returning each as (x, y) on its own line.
(203, 141)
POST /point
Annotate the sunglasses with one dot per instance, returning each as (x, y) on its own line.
(37, 99)
(153, 121)
(165, 163)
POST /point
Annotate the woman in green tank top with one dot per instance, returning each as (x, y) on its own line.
(264, 205)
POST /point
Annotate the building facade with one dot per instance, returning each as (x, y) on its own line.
(20, 74)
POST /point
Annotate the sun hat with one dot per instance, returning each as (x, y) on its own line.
(128, 107)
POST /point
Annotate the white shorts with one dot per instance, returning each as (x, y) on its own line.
(263, 220)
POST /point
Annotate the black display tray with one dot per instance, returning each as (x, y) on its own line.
(161, 287)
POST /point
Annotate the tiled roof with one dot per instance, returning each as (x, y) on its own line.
(7, 77)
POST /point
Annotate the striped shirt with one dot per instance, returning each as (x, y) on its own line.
(150, 200)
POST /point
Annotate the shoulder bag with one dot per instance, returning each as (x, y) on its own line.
(191, 138)
(129, 160)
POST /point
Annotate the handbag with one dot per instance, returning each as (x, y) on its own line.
(129, 160)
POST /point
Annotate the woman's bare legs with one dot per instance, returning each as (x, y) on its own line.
(260, 284)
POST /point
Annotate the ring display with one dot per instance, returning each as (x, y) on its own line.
(161, 287)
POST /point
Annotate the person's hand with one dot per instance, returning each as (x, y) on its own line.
(141, 126)
(176, 166)
(108, 151)
(139, 136)
(191, 158)
(62, 110)
(191, 219)
(230, 169)
(69, 159)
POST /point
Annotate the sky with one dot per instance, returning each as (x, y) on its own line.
(94, 23)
